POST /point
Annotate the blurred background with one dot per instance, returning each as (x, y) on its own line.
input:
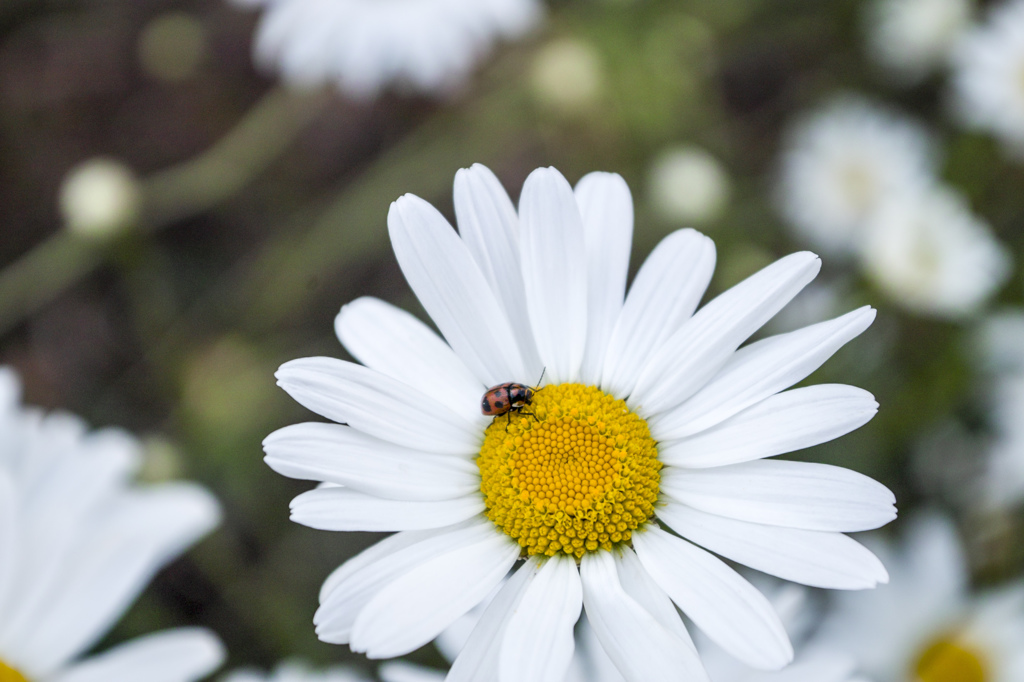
(178, 220)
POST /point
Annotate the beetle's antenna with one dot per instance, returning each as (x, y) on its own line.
(541, 376)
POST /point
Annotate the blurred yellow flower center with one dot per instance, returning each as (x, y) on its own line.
(577, 474)
(948, 660)
(9, 674)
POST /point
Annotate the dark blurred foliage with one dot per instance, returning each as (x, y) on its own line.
(174, 331)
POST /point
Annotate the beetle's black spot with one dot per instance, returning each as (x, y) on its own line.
(499, 404)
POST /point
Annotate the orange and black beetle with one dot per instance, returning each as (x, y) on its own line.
(507, 398)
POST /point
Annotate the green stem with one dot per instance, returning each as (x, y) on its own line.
(194, 186)
(219, 173)
(41, 274)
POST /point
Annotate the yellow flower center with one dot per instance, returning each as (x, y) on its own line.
(949, 660)
(9, 674)
(574, 472)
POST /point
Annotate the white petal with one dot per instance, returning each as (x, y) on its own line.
(139, 534)
(639, 585)
(785, 422)
(639, 646)
(663, 296)
(342, 509)
(758, 371)
(181, 655)
(390, 545)
(721, 603)
(705, 342)
(606, 208)
(538, 642)
(809, 557)
(356, 582)
(378, 405)
(340, 454)
(490, 229)
(413, 609)
(8, 534)
(780, 493)
(478, 659)
(395, 343)
(454, 292)
(554, 272)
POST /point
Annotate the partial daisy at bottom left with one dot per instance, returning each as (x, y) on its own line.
(79, 541)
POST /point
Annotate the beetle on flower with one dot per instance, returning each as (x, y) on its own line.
(651, 419)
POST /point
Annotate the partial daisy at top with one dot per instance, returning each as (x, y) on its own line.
(926, 625)
(861, 180)
(649, 418)
(988, 84)
(363, 46)
(909, 39)
(78, 543)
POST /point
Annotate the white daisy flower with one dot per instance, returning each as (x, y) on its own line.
(297, 671)
(932, 255)
(648, 416)
(989, 75)
(78, 543)
(911, 38)
(925, 626)
(362, 46)
(842, 162)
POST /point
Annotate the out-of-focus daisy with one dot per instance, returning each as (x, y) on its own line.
(688, 184)
(842, 162)
(989, 75)
(297, 671)
(1000, 346)
(931, 254)
(429, 46)
(925, 626)
(1004, 474)
(910, 38)
(648, 415)
(78, 543)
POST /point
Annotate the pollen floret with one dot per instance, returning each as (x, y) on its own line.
(577, 474)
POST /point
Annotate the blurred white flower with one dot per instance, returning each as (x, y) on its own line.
(655, 401)
(296, 671)
(1004, 475)
(78, 542)
(362, 46)
(929, 253)
(999, 341)
(925, 626)
(911, 38)
(99, 198)
(842, 162)
(989, 76)
(567, 75)
(687, 184)
(1000, 345)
